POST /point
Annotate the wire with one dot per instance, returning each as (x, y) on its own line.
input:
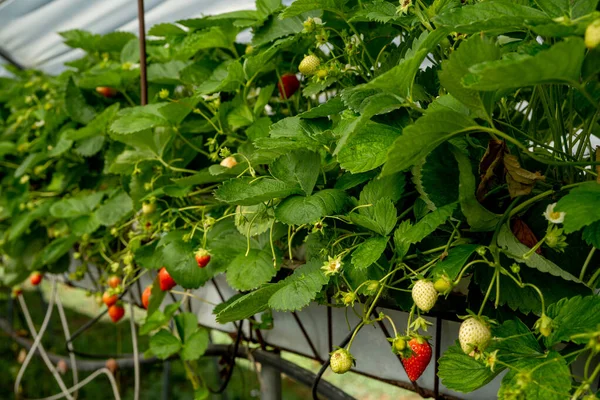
(87, 380)
(236, 346)
(37, 343)
(136, 357)
(65, 326)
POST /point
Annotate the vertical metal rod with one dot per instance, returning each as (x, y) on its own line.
(307, 337)
(142, 37)
(166, 390)
(329, 325)
(270, 385)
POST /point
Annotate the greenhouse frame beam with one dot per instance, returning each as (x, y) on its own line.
(6, 56)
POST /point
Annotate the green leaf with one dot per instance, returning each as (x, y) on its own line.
(369, 252)
(28, 163)
(298, 210)
(245, 306)
(550, 378)
(195, 345)
(514, 341)
(186, 324)
(332, 106)
(156, 318)
(299, 289)
(81, 204)
(77, 38)
(227, 77)
(475, 50)
(166, 73)
(436, 178)
(115, 209)
(164, 29)
(400, 79)
(163, 344)
(419, 139)
(367, 148)
(137, 119)
(247, 272)
(515, 250)
(213, 37)
(97, 126)
(559, 64)
(292, 133)
(572, 316)
(566, 8)
(390, 186)
(90, 146)
(21, 223)
(381, 218)
(253, 220)
(349, 180)
(591, 234)
(479, 218)
(497, 16)
(247, 191)
(77, 108)
(453, 263)
(84, 224)
(113, 42)
(429, 223)
(145, 256)
(581, 205)
(55, 250)
(300, 6)
(276, 28)
(178, 257)
(298, 168)
(462, 373)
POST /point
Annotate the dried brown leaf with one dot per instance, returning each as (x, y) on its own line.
(519, 180)
(523, 232)
(490, 167)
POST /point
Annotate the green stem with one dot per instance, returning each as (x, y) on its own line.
(586, 263)
(489, 290)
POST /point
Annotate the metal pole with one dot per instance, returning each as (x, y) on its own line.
(270, 383)
(142, 37)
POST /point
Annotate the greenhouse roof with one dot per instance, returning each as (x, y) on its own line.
(29, 34)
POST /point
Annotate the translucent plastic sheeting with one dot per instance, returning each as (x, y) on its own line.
(29, 28)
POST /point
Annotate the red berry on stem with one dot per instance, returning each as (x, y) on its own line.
(114, 281)
(288, 85)
(419, 358)
(35, 278)
(202, 257)
(165, 281)
(106, 91)
(109, 299)
(116, 312)
(146, 296)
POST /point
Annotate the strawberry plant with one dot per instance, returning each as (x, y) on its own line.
(430, 156)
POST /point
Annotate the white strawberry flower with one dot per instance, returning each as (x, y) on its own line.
(332, 266)
(555, 217)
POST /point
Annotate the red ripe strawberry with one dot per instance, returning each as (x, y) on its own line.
(164, 280)
(35, 278)
(202, 257)
(17, 291)
(419, 358)
(116, 312)
(146, 296)
(106, 91)
(114, 281)
(288, 85)
(109, 299)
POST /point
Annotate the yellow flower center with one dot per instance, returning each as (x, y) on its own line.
(554, 215)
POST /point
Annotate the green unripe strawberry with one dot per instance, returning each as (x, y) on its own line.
(341, 361)
(399, 344)
(474, 335)
(309, 65)
(424, 295)
(443, 284)
(592, 35)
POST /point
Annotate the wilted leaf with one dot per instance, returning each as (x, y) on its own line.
(520, 181)
(523, 232)
(490, 167)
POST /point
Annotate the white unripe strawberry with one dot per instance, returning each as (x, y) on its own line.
(424, 295)
(308, 66)
(341, 361)
(474, 335)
